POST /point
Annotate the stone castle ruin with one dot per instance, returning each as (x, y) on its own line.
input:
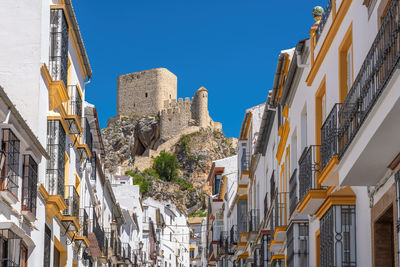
(154, 93)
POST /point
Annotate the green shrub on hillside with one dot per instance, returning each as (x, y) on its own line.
(166, 166)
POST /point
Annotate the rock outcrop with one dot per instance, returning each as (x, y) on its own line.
(129, 140)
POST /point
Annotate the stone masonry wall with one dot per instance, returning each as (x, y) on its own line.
(143, 93)
(175, 118)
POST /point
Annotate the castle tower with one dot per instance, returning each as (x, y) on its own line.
(143, 93)
(202, 98)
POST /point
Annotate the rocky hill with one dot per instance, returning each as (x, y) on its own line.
(132, 143)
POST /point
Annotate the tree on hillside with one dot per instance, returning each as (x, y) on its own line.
(166, 165)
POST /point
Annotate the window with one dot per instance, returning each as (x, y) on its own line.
(191, 253)
(217, 184)
(346, 65)
(47, 243)
(338, 236)
(10, 248)
(10, 172)
(55, 171)
(320, 110)
(145, 94)
(29, 181)
(56, 258)
(58, 46)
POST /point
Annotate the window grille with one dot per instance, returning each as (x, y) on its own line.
(29, 182)
(10, 172)
(55, 171)
(58, 46)
(338, 237)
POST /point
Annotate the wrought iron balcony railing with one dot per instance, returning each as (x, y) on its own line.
(293, 199)
(376, 71)
(323, 20)
(93, 162)
(9, 178)
(84, 222)
(245, 162)
(98, 230)
(58, 57)
(281, 210)
(254, 220)
(233, 235)
(75, 103)
(72, 201)
(55, 169)
(266, 205)
(242, 225)
(87, 137)
(329, 136)
(221, 245)
(308, 168)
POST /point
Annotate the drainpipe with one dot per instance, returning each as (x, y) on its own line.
(397, 179)
(299, 65)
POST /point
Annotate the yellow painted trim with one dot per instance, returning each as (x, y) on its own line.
(55, 204)
(344, 7)
(73, 38)
(344, 47)
(285, 112)
(279, 229)
(282, 141)
(335, 200)
(244, 255)
(277, 257)
(62, 250)
(245, 196)
(73, 219)
(43, 192)
(244, 173)
(312, 194)
(59, 118)
(280, 130)
(273, 242)
(242, 244)
(57, 95)
(242, 236)
(285, 71)
(246, 129)
(46, 75)
(328, 168)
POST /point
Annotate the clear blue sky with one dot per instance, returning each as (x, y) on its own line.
(228, 46)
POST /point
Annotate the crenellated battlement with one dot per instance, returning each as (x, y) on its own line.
(154, 92)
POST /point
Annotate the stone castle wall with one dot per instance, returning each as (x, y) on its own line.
(143, 93)
(154, 92)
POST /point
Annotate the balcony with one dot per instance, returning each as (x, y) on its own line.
(222, 249)
(73, 108)
(87, 137)
(254, 223)
(233, 235)
(293, 199)
(126, 253)
(98, 245)
(323, 20)
(93, 162)
(368, 119)
(329, 148)
(311, 195)
(70, 217)
(281, 216)
(244, 168)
